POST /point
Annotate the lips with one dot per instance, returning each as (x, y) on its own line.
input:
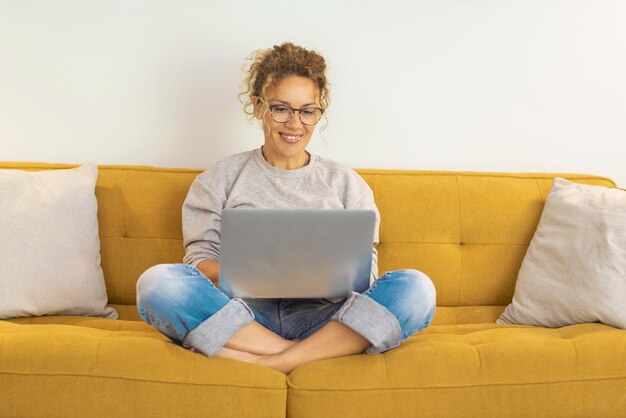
(290, 138)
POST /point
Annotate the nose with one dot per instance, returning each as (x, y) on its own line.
(295, 121)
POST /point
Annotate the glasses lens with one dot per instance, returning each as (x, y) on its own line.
(310, 116)
(281, 114)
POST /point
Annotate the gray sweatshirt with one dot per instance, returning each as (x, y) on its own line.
(246, 180)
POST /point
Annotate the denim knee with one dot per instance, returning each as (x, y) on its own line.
(150, 286)
(150, 282)
(179, 301)
(409, 295)
(396, 306)
(176, 297)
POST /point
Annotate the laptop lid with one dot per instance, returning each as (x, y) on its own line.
(295, 253)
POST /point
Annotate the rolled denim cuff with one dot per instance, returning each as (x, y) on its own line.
(372, 320)
(215, 331)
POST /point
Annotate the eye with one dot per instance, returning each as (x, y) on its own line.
(280, 109)
(308, 112)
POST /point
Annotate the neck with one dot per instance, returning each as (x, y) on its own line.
(293, 163)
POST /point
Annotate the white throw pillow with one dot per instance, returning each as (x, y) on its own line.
(575, 268)
(49, 245)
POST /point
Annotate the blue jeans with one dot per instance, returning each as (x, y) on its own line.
(179, 301)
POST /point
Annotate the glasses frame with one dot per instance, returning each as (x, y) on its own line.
(293, 112)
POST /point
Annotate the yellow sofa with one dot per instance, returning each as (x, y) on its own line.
(468, 231)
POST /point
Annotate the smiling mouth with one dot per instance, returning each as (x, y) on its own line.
(291, 139)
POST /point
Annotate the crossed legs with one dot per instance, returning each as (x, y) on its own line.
(256, 344)
(399, 304)
(181, 303)
(255, 339)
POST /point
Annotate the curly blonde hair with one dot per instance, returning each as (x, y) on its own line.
(268, 66)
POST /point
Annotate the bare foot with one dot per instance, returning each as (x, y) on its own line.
(288, 345)
(276, 362)
(272, 361)
(226, 352)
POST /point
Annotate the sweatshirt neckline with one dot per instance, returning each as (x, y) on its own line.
(279, 172)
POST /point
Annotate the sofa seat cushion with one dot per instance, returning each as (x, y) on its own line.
(125, 368)
(473, 370)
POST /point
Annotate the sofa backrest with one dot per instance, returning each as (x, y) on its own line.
(468, 231)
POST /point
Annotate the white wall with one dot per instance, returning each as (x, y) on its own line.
(534, 85)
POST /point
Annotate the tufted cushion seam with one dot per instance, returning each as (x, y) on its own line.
(139, 380)
(290, 385)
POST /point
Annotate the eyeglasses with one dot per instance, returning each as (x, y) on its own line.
(282, 114)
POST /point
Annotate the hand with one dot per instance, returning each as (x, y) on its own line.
(211, 269)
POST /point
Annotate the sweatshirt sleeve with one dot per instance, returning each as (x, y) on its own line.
(201, 217)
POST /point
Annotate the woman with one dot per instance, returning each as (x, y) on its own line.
(287, 92)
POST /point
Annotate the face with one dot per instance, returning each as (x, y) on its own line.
(285, 142)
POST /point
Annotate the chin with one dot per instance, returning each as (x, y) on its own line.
(290, 149)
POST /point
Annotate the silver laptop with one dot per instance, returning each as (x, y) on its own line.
(295, 253)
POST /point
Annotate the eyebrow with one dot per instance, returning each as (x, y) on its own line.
(289, 104)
